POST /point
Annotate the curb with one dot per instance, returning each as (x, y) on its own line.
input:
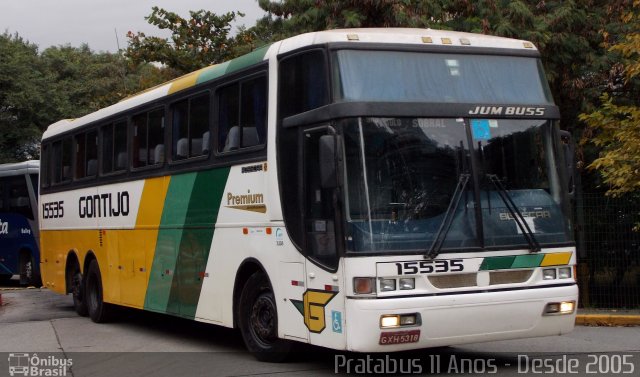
(607, 320)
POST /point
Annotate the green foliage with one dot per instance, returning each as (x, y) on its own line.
(614, 127)
(199, 41)
(37, 90)
(22, 78)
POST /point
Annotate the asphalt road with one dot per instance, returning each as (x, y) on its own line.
(43, 327)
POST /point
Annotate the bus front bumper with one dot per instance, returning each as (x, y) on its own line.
(447, 320)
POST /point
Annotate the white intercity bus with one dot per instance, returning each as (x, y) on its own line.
(364, 190)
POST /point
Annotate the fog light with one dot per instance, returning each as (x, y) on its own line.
(549, 274)
(407, 283)
(556, 308)
(567, 307)
(408, 320)
(363, 286)
(387, 285)
(564, 273)
(387, 321)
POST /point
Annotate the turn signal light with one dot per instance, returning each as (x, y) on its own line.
(363, 286)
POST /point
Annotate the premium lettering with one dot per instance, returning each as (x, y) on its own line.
(249, 198)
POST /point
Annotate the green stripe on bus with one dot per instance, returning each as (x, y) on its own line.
(163, 268)
(212, 73)
(204, 204)
(512, 261)
(247, 60)
(528, 261)
(497, 263)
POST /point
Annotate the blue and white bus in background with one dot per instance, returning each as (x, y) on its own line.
(19, 251)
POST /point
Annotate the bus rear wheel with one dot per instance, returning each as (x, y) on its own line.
(99, 311)
(258, 320)
(78, 291)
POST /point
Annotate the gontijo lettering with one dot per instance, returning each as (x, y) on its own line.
(104, 205)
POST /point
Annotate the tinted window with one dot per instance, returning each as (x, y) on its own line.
(191, 136)
(148, 138)
(114, 147)
(19, 197)
(242, 114)
(303, 83)
(86, 154)
(61, 160)
(45, 165)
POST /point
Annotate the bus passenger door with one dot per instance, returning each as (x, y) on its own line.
(324, 297)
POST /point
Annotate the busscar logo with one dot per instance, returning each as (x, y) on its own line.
(507, 110)
(24, 364)
(4, 227)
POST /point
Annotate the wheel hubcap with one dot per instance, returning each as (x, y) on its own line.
(263, 319)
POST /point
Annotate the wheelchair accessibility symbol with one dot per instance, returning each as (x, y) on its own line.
(336, 321)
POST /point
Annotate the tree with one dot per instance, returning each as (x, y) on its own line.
(37, 90)
(22, 78)
(614, 127)
(201, 40)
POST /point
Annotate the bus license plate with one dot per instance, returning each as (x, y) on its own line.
(399, 337)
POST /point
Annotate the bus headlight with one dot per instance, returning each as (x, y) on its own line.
(564, 273)
(387, 285)
(407, 283)
(549, 274)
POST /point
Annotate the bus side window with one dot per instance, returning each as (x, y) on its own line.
(191, 127)
(242, 114)
(114, 147)
(91, 156)
(81, 147)
(45, 165)
(2, 200)
(19, 197)
(61, 160)
(303, 83)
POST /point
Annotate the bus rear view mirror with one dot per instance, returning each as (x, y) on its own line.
(328, 155)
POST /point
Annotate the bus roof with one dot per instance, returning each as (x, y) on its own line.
(8, 170)
(373, 35)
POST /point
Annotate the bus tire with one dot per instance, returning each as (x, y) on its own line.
(258, 320)
(78, 291)
(98, 310)
(28, 274)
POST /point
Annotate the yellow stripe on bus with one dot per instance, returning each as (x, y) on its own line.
(137, 247)
(186, 81)
(555, 259)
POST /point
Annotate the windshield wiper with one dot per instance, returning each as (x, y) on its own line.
(434, 250)
(515, 213)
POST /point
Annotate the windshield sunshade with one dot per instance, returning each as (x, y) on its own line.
(392, 76)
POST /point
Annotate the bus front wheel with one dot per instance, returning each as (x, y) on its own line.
(99, 311)
(258, 320)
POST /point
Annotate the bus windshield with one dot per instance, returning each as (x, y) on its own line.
(402, 174)
(396, 76)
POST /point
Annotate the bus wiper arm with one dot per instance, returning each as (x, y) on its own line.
(515, 213)
(434, 250)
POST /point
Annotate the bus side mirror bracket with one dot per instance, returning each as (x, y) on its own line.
(329, 155)
(568, 148)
